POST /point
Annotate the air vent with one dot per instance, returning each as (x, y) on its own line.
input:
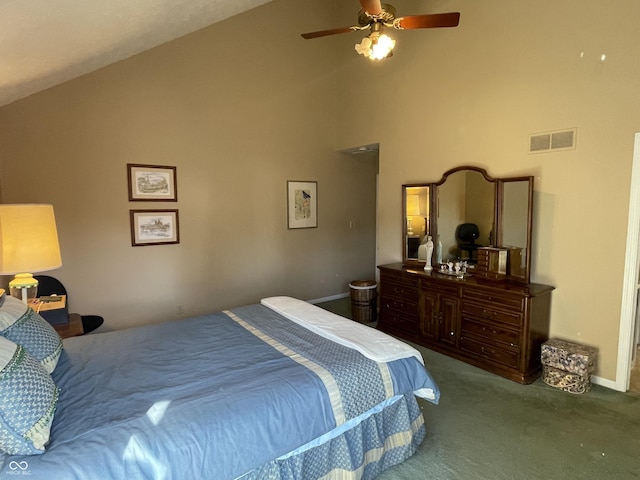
(553, 141)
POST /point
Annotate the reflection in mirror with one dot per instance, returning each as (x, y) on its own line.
(515, 220)
(466, 202)
(468, 209)
(416, 206)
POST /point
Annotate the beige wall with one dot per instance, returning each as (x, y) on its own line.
(472, 95)
(237, 122)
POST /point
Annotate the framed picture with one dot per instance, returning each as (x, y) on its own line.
(154, 227)
(302, 204)
(153, 183)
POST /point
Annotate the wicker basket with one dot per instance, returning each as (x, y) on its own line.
(567, 366)
(566, 381)
(364, 304)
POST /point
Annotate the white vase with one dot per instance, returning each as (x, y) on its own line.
(428, 252)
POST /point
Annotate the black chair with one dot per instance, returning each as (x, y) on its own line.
(466, 235)
(52, 286)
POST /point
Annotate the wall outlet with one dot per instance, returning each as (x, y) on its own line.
(180, 309)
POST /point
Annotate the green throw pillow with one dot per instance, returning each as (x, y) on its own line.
(20, 324)
(28, 398)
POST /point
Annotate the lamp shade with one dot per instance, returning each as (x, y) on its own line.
(416, 206)
(28, 239)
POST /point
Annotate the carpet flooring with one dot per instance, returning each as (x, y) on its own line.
(634, 380)
(490, 428)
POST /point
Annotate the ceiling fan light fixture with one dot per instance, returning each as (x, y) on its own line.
(376, 45)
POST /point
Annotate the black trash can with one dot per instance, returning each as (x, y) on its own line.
(364, 301)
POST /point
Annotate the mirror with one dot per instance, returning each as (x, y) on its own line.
(515, 215)
(465, 199)
(468, 209)
(416, 202)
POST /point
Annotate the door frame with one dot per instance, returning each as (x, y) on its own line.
(627, 335)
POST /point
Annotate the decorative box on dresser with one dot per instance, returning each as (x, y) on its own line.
(495, 325)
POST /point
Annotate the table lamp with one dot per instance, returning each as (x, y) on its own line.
(28, 243)
(416, 207)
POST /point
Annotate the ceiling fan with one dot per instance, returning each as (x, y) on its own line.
(377, 16)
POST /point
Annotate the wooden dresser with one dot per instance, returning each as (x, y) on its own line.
(495, 325)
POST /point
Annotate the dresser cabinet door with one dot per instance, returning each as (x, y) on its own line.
(429, 315)
(439, 312)
(449, 324)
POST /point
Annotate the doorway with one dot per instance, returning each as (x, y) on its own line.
(369, 158)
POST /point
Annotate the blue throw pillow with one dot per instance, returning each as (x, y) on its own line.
(20, 324)
(28, 398)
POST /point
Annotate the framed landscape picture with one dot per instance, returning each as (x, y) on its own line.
(302, 204)
(154, 227)
(152, 183)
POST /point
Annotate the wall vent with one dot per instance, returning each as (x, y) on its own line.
(553, 141)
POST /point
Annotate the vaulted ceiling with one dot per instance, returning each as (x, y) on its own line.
(47, 42)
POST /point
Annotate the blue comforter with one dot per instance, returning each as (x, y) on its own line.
(210, 397)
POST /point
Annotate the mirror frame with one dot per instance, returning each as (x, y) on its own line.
(498, 216)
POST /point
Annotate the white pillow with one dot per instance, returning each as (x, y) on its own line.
(28, 398)
(20, 324)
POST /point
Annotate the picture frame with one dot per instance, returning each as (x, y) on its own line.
(154, 227)
(302, 204)
(152, 183)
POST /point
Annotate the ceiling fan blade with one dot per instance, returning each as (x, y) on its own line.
(373, 7)
(435, 20)
(324, 33)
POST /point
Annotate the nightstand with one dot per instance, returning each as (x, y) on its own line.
(57, 314)
(53, 312)
(73, 328)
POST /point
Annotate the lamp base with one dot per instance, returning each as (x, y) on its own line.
(24, 287)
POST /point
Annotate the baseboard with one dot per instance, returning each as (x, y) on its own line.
(328, 299)
(604, 382)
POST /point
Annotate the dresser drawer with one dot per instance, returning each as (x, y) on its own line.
(490, 332)
(396, 290)
(398, 319)
(439, 287)
(401, 278)
(504, 356)
(503, 301)
(487, 313)
(407, 307)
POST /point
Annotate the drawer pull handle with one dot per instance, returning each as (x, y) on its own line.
(493, 331)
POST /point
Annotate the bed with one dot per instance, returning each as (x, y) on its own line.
(281, 390)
